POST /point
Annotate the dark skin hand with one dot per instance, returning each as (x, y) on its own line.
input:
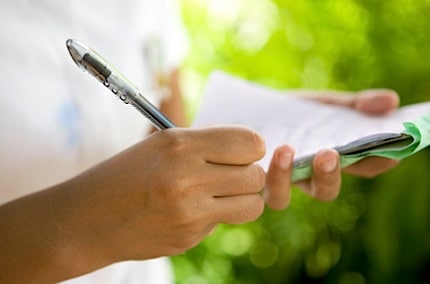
(126, 209)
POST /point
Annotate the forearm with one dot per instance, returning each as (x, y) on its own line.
(125, 208)
(39, 242)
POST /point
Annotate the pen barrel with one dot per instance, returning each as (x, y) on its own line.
(151, 112)
(90, 61)
(130, 94)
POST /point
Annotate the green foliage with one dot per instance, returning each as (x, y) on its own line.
(378, 230)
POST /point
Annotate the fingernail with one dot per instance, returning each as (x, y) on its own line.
(284, 160)
(329, 165)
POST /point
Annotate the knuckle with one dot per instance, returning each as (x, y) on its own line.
(185, 217)
(255, 179)
(260, 176)
(260, 145)
(253, 141)
(257, 208)
(176, 142)
(174, 191)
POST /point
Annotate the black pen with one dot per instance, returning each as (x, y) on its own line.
(89, 60)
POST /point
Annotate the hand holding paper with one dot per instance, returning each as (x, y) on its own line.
(307, 125)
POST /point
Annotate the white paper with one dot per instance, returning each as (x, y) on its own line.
(306, 125)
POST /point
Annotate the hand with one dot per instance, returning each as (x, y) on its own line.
(159, 197)
(325, 182)
(166, 194)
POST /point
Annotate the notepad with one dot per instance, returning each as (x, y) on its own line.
(306, 125)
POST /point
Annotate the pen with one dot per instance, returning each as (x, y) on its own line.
(90, 61)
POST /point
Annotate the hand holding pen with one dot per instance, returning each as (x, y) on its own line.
(179, 183)
(159, 197)
(325, 181)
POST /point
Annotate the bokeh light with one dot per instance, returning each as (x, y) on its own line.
(378, 230)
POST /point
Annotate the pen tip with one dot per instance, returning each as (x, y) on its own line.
(77, 50)
(69, 42)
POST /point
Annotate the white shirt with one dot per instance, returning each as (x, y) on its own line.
(57, 121)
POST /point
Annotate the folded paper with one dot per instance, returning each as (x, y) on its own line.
(283, 117)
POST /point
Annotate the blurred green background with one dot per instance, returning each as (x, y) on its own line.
(378, 230)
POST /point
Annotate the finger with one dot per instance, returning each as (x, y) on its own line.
(326, 176)
(237, 209)
(373, 101)
(339, 98)
(371, 167)
(225, 181)
(278, 184)
(376, 102)
(228, 145)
